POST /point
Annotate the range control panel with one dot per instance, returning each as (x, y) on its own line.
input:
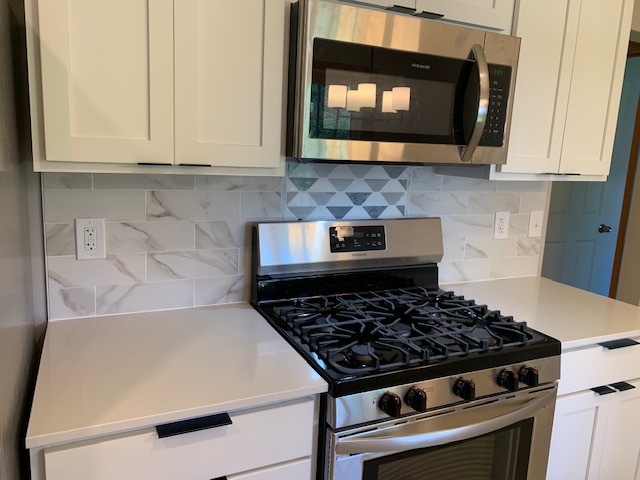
(357, 238)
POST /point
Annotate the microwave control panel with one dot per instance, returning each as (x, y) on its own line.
(357, 238)
(499, 81)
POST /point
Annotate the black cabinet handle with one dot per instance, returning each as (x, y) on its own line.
(622, 386)
(429, 15)
(220, 478)
(603, 390)
(623, 342)
(193, 425)
(401, 9)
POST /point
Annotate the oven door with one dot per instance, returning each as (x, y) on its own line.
(500, 438)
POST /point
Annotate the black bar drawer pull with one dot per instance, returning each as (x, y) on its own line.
(193, 425)
(220, 478)
(623, 342)
(622, 386)
(603, 390)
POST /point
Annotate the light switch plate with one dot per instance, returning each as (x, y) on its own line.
(535, 223)
(90, 238)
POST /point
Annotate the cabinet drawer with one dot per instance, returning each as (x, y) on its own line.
(254, 439)
(594, 366)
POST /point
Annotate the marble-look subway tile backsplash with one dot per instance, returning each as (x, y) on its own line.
(176, 241)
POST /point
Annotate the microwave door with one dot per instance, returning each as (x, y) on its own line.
(472, 103)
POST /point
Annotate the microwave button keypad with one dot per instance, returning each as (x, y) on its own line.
(499, 80)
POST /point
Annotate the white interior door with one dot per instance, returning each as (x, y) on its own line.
(229, 60)
(107, 80)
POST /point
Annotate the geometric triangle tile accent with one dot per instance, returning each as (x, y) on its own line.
(303, 184)
(342, 171)
(377, 173)
(359, 185)
(376, 185)
(395, 172)
(323, 169)
(392, 198)
(375, 199)
(292, 166)
(321, 198)
(322, 185)
(302, 200)
(304, 170)
(401, 209)
(375, 212)
(340, 184)
(360, 170)
(358, 198)
(340, 199)
(357, 213)
(395, 186)
(301, 213)
(291, 196)
(339, 212)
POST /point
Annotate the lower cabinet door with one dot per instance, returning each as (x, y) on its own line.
(578, 432)
(299, 470)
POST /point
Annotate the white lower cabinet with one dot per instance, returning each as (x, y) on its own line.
(272, 443)
(595, 435)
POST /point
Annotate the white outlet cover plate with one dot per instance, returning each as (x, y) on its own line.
(501, 225)
(100, 251)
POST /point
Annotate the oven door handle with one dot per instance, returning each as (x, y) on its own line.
(399, 443)
(477, 53)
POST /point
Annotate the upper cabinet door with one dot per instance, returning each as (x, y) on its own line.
(596, 85)
(107, 80)
(392, 3)
(494, 14)
(229, 88)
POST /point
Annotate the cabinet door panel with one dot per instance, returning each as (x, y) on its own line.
(107, 69)
(391, 3)
(596, 86)
(494, 14)
(621, 457)
(229, 82)
(542, 85)
(576, 441)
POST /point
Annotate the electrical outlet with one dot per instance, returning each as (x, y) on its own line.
(90, 238)
(535, 223)
(501, 226)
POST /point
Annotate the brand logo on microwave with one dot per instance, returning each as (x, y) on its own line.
(421, 66)
(358, 254)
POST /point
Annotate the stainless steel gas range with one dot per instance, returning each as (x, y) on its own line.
(423, 383)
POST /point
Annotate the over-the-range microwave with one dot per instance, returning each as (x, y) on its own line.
(372, 85)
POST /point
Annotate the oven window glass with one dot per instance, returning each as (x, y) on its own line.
(500, 455)
(360, 92)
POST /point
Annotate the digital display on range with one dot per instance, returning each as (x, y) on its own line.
(357, 238)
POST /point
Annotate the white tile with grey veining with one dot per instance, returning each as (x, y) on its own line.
(486, 247)
(514, 267)
(464, 184)
(244, 261)
(461, 226)
(463, 270)
(62, 206)
(197, 205)
(533, 201)
(195, 264)
(424, 179)
(438, 203)
(518, 225)
(128, 181)
(53, 181)
(453, 249)
(144, 297)
(533, 186)
(223, 234)
(60, 239)
(480, 203)
(129, 237)
(212, 291)
(529, 246)
(261, 205)
(113, 270)
(245, 184)
(72, 303)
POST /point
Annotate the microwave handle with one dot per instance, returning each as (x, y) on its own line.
(477, 53)
(397, 442)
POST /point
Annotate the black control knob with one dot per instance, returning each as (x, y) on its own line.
(416, 398)
(529, 376)
(465, 389)
(391, 404)
(508, 379)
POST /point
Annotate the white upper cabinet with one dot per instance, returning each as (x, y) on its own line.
(184, 82)
(568, 87)
(492, 14)
(107, 92)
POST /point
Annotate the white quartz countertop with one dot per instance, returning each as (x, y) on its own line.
(575, 317)
(103, 375)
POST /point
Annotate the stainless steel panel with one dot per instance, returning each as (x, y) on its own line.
(300, 247)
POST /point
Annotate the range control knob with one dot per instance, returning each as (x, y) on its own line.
(391, 404)
(416, 398)
(465, 389)
(508, 379)
(529, 376)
